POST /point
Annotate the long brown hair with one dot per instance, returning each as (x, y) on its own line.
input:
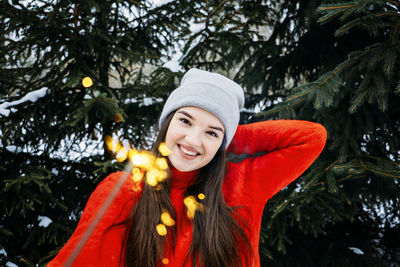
(218, 240)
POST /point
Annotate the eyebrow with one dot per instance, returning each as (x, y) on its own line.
(191, 117)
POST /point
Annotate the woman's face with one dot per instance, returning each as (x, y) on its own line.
(193, 137)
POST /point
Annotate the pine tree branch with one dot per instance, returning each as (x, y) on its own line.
(397, 3)
(382, 159)
(396, 28)
(334, 7)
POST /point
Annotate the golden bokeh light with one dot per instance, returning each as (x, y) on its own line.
(164, 150)
(166, 219)
(161, 229)
(144, 159)
(201, 196)
(87, 82)
(137, 175)
(118, 118)
(112, 144)
(161, 175)
(122, 154)
(145, 164)
(151, 178)
(162, 163)
(165, 261)
(191, 205)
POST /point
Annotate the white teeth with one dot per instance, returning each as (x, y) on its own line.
(187, 151)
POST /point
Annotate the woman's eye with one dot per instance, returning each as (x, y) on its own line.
(185, 121)
(212, 133)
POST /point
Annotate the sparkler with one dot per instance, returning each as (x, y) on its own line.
(139, 162)
(142, 164)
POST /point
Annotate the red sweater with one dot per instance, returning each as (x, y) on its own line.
(284, 149)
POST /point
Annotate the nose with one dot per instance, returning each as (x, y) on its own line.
(193, 138)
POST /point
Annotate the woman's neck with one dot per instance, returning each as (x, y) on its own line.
(181, 179)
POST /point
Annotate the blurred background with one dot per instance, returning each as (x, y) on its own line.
(332, 62)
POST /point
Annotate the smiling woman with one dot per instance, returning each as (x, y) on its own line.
(194, 137)
(207, 212)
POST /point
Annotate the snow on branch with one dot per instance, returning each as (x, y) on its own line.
(6, 107)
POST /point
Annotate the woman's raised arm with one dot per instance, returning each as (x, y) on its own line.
(278, 152)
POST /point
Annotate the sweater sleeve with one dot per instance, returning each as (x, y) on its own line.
(91, 253)
(279, 152)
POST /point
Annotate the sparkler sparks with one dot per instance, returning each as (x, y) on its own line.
(164, 150)
(141, 163)
(161, 229)
(122, 154)
(154, 167)
(162, 163)
(137, 175)
(192, 205)
(112, 144)
(166, 219)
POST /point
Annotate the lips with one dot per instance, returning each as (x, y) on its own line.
(187, 153)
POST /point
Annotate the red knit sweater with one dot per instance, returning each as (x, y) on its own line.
(284, 149)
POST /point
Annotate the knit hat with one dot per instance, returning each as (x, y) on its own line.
(212, 92)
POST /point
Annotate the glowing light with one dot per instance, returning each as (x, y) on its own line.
(161, 229)
(136, 187)
(143, 160)
(166, 219)
(162, 163)
(87, 82)
(161, 175)
(122, 154)
(201, 196)
(151, 177)
(118, 118)
(112, 144)
(164, 150)
(191, 205)
(165, 261)
(137, 175)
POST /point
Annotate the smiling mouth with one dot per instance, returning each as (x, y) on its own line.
(187, 152)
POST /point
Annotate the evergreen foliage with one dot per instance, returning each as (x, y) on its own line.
(333, 62)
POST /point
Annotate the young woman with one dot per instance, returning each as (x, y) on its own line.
(199, 124)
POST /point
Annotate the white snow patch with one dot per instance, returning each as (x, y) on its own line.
(3, 252)
(10, 264)
(14, 149)
(54, 171)
(72, 217)
(174, 64)
(31, 96)
(130, 100)
(356, 250)
(44, 221)
(87, 97)
(10, 2)
(196, 27)
(157, 3)
(148, 101)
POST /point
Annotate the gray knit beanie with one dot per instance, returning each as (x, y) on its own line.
(212, 92)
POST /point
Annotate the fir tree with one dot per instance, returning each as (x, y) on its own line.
(51, 149)
(333, 62)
